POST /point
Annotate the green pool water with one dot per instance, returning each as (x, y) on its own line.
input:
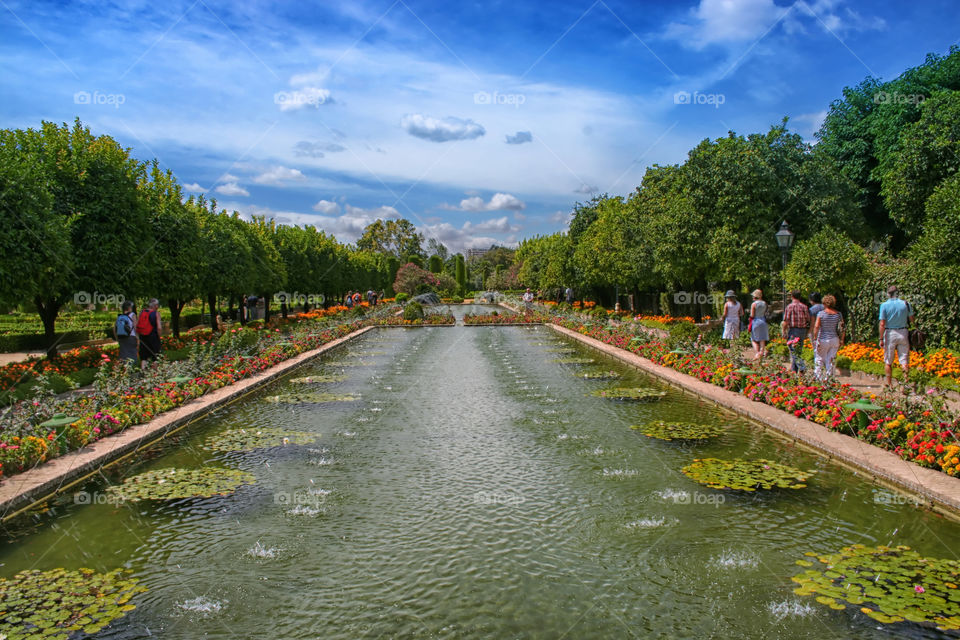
(475, 489)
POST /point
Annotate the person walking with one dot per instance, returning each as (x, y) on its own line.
(816, 306)
(148, 329)
(527, 302)
(252, 307)
(827, 337)
(125, 332)
(796, 321)
(348, 300)
(895, 318)
(759, 330)
(568, 295)
(732, 315)
(356, 298)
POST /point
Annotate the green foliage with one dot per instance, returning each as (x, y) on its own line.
(460, 273)
(679, 430)
(436, 264)
(828, 262)
(175, 484)
(414, 280)
(746, 475)
(310, 397)
(630, 393)
(413, 311)
(250, 439)
(58, 604)
(889, 584)
(398, 238)
(401, 297)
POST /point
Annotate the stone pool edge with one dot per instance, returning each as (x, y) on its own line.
(940, 491)
(22, 491)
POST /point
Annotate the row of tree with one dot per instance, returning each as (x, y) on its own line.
(85, 221)
(876, 199)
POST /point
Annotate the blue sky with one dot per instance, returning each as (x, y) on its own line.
(481, 122)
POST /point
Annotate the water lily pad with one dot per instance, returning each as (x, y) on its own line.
(311, 398)
(573, 360)
(250, 439)
(57, 603)
(745, 475)
(564, 351)
(630, 393)
(679, 430)
(174, 484)
(318, 379)
(601, 375)
(894, 584)
(349, 363)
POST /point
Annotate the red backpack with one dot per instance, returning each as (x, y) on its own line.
(144, 328)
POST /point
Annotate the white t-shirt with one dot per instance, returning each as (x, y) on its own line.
(528, 297)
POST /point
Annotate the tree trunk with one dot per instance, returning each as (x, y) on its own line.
(242, 311)
(266, 308)
(176, 307)
(283, 309)
(48, 310)
(212, 301)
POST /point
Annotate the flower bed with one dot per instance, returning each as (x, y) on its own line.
(922, 431)
(121, 400)
(430, 319)
(503, 318)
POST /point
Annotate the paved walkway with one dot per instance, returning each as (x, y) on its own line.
(18, 356)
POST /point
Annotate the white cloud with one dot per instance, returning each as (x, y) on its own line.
(499, 202)
(586, 189)
(441, 130)
(520, 137)
(193, 187)
(277, 176)
(231, 189)
(327, 208)
(559, 217)
(738, 22)
(497, 225)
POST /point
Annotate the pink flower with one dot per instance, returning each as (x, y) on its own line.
(918, 589)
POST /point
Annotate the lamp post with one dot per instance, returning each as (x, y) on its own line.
(785, 241)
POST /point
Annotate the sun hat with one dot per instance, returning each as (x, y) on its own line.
(729, 294)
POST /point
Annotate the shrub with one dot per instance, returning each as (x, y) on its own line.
(456, 300)
(412, 279)
(843, 362)
(413, 311)
(683, 331)
(401, 298)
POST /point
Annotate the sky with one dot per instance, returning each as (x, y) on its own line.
(481, 122)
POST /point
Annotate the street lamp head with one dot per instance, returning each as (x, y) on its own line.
(784, 237)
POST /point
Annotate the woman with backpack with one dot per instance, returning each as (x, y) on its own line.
(125, 332)
(148, 329)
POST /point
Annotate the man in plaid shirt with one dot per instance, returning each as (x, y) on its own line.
(796, 321)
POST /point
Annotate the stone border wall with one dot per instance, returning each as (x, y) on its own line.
(22, 491)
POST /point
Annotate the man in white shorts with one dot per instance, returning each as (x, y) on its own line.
(895, 318)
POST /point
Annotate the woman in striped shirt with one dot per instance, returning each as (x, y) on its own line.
(827, 336)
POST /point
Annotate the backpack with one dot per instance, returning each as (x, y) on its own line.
(144, 328)
(123, 326)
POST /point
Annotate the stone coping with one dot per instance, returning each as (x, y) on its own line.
(22, 491)
(937, 490)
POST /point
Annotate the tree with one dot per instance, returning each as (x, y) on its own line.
(460, 273)
(436, 264)
(928, 153)
(829, 261)
(396, 237)
(412, 280)
(93, 184)
(177, 256)
(610, 252)
(437, 248)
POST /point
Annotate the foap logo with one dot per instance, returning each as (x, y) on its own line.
(497, 498)
(96, 497)
(696, 297)
(696, 498)
(713, 99)
(881, 496)
(507, 99)
(86, 297)
(913, 299)
(895, 97)
(298, 99)
(109, 99)
(298, 298)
